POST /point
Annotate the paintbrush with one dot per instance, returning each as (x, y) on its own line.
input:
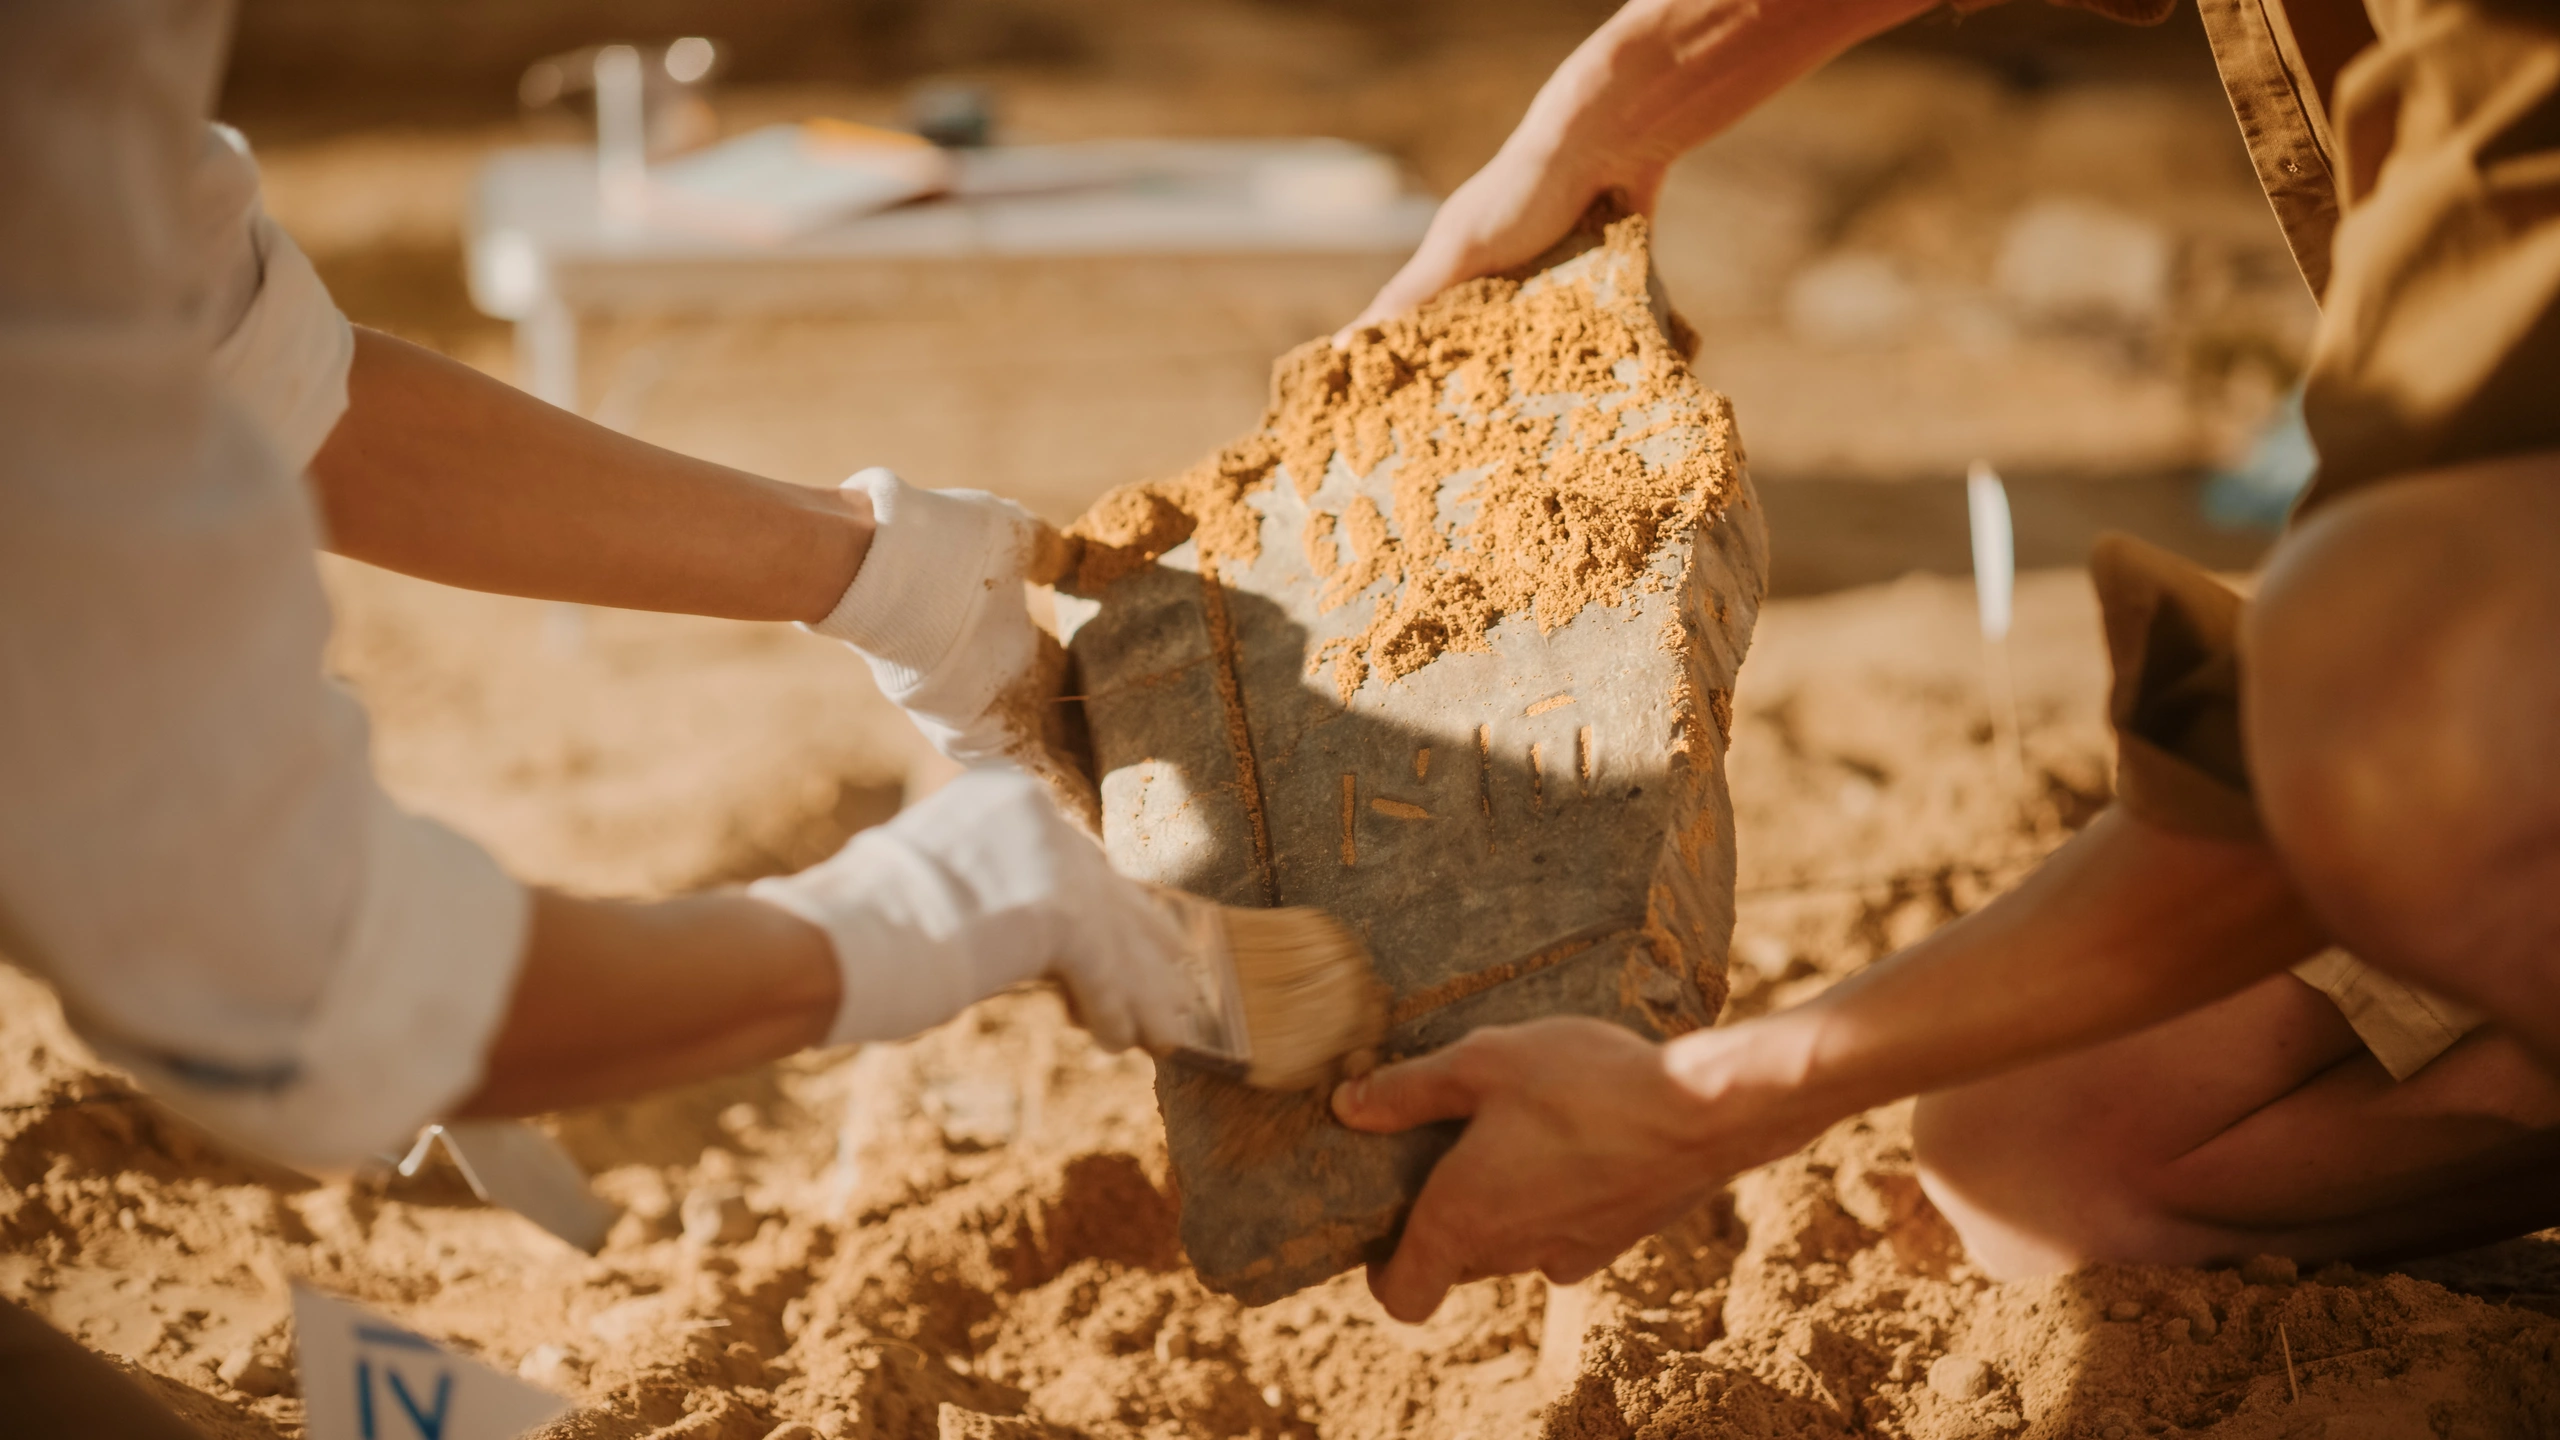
(1289, 999)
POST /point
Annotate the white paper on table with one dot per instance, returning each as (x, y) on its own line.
(365, 1378)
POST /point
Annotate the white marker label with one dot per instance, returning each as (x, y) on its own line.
(365, 1378)
(1995, 549)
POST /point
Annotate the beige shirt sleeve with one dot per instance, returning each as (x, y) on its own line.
(2439, 337)
(2434, 243)
(193, 851)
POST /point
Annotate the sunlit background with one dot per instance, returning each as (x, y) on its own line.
(2031, 236)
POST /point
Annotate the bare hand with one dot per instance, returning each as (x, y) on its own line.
(1507, 214)
(1581, 1143)
(1658, 77)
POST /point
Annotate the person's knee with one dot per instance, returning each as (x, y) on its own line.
(2400, 678)
(1967, 1170)
(2029, 1191)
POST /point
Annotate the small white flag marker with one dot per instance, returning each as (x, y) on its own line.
(509, 1163)
(1995, 549)
(365, 1378)
(1995, 586)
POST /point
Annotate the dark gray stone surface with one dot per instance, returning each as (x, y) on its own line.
(1523, 833)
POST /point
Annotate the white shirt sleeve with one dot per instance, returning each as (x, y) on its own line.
(193, 851)
(283, 348)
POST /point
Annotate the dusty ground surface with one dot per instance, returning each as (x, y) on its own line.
(1882, 269)
(979, 1218)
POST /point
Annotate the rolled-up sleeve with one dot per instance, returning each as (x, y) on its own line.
(193, 851)
(283, 349)
(2173, 639)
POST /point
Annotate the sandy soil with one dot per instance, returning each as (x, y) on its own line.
(979, 1219)
(971, 1234)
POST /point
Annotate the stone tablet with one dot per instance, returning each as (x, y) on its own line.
(1445, 647)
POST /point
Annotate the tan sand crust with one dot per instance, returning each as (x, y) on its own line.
(1565, 512)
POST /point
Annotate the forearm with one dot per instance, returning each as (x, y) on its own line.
(615, 999)
(978, 888)
(1664, 75)
(439, 471)
(2125, 926)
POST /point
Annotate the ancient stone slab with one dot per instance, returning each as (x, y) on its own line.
(1527, 819)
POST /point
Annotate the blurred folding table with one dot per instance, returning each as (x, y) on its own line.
(543, 252)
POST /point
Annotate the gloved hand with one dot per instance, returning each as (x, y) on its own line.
(937, 610)
(980, 887)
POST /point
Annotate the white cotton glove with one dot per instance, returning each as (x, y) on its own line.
(937, 610)
(982, 886)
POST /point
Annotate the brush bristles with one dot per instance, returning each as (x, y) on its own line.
(1310, 996)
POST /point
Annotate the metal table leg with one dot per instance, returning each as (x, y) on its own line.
(547, 353)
